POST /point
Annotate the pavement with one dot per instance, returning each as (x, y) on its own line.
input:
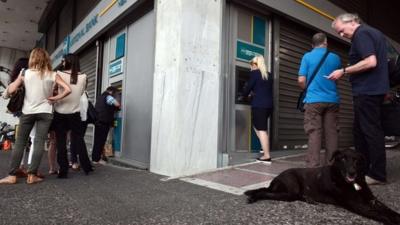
(116, 195)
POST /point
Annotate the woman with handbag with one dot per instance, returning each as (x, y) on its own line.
(260, 85)
(37, 108)
(67, 118)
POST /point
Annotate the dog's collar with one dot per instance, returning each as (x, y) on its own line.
(357, 186)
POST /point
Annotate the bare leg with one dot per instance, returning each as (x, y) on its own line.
(264, 140)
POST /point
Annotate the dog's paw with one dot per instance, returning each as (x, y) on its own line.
(251, 200)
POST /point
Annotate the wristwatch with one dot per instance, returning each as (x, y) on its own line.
(344, 70)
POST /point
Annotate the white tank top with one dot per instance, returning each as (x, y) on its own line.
(37, 90)
(70, 104)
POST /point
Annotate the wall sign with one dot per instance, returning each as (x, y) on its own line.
(120, 46)
(246, 51)
(116, 67)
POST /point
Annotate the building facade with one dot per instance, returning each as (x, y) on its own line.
(180, 65)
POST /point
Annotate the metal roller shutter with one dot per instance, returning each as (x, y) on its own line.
(294, 41)
(88, 63)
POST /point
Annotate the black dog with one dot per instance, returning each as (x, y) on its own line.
(342, 183)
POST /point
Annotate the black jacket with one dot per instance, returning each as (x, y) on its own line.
(105, 112)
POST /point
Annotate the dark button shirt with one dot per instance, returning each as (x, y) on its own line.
(369, 41)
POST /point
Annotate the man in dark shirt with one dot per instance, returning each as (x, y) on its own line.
(370, 82)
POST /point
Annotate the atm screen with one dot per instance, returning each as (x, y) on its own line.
(242, 76)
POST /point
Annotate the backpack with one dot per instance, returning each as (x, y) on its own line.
(394, 70)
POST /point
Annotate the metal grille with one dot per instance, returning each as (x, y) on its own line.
(88, 62)
(294, 41)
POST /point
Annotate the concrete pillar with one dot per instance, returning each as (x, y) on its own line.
(186, 97)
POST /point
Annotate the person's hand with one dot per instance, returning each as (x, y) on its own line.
(335, 75)
(5, 94)
(52, 99)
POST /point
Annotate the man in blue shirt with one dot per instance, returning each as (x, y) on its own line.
(322, 101)
(370, 82)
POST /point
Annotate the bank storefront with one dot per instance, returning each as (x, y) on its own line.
(179, 67)
(110, 43)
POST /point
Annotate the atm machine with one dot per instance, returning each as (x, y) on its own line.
(246, 138)
(117, 129)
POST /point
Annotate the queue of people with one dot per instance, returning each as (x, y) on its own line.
(368, 72)
(319, 70)
(51, 108)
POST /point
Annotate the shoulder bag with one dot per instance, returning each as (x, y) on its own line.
(16, 101)
(91, 112)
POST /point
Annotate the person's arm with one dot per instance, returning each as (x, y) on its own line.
(303, 71)
(16, 84)
(363, 65)
(61, 83)
(364, 46)
(301, 80)
(110, 100)
(248, 87)
(117, 104)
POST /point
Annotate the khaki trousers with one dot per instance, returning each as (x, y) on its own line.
(321, 118)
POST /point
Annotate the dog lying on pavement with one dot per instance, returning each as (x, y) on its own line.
(342, 184)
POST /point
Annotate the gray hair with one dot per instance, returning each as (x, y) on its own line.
(346, 18)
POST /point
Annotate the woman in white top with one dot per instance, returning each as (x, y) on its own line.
(67, 117)
(38, 80)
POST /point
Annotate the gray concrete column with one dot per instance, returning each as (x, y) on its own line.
(186, 96)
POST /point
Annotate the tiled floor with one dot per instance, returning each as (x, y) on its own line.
(239, 178)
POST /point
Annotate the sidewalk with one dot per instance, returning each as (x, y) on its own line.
(114, 195)
(239, 178)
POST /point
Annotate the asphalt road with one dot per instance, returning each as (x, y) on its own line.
(114, 195)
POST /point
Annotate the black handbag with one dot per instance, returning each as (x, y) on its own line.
(302, 95)
(91, 112)
(390, 118)
(16, 101)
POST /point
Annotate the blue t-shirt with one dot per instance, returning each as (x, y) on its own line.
(321, 89)
(368, 41)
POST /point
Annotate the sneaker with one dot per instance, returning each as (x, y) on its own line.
(371, 181)
(261, 151)
(268, 161)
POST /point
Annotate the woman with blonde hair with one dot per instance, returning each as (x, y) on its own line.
(260, 88)
(39, 81)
